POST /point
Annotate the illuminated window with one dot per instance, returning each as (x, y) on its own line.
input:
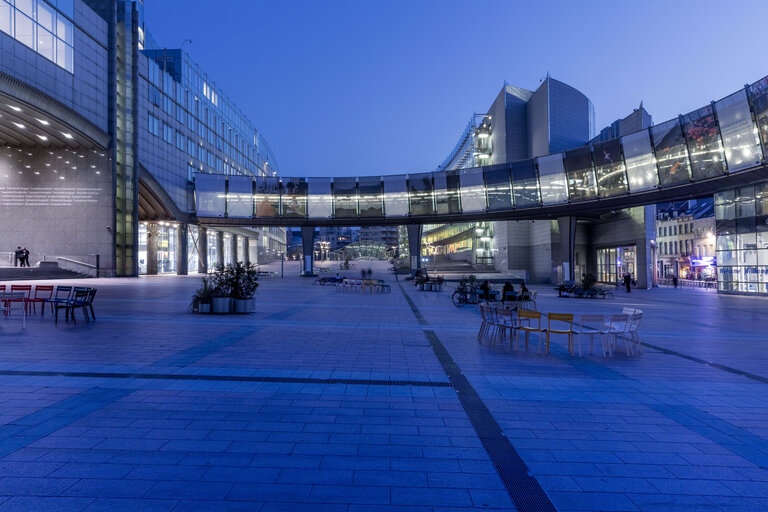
(38, 26)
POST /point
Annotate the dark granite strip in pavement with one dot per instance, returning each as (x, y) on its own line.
(741, 442)
(224, 378)
(32, 427)
(525, 491)
(695, 359)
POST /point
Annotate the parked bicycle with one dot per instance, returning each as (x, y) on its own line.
(465, 294)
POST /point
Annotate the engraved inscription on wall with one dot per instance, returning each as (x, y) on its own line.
(49, 196)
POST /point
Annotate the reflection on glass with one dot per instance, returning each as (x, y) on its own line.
(552, 181)
(581, 175)
(294, 197)
(267, 197)
(319, 200)
(370, 196)
(525, 184)
(740, 139)
(210, 195)
(758, 97)
(498, 187)
(395, 195)
(345, 197)
(609, 168)
(671, 153)
(704, 145)
(240, 197)
(447, 192)
(472, 190)
(641, 167)
(421, 196)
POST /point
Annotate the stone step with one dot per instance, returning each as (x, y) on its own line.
(36, 274)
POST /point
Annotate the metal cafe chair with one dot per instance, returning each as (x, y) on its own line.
(25, 290)
(78, 301)
(7, 301)
(42, 293)
(616, 326)
(585, 328)
(63, 293)
(560, 323)
(527, 325)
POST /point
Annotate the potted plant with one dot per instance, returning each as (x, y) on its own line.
(221, 301)
(243, 279)
(201, 300)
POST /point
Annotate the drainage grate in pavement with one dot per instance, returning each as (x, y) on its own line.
(229, 378)
(524, 490)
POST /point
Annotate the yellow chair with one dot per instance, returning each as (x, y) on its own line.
(527, 325)
(560, 321)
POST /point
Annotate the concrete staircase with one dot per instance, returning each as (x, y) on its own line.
(36, 274)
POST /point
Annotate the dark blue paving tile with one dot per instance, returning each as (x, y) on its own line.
(239, 474)
(92, 470)
(372, 463)
(350, 494)
(581, 501)
(137, 505)
(14, 486)
(491, 498)
(206, 506)
(166, 472)
(47, 504)
(101, 488)
(315, 476)
(434, 497)
(391, 478)
(289, 493)
(172, 489)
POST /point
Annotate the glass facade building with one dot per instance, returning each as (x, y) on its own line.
(741, 224)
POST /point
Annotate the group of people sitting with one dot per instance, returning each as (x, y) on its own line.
(508, 292)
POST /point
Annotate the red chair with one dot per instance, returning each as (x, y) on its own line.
(42, 294)
(23, 288)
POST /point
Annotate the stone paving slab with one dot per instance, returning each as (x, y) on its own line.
(657, 431)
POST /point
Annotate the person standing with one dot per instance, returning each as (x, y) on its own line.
(17, 257)
(25, 254)
(674, 281)
(628, 282)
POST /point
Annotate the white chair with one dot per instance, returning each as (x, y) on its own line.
(589, 325)
(7, 301)
(616, 326)
(632, 335)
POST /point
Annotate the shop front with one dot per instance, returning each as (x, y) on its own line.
(615, 262)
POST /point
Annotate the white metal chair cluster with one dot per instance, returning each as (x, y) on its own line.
(498, 323)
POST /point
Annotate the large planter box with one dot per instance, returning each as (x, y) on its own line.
(221, 305)
(243, 305)
(204, 308)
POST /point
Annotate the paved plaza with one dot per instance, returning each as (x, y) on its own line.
(335, 401)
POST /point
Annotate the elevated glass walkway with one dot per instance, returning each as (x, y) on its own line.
(719, 145)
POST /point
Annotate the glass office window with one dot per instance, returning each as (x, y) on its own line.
(641, 166)
(552, 181)
(210, 195)
(267, 197)
(6, 17)
(345, 197)
(370, 196)
(319, 201)
(25, 29)
(758, 97)
(472, 190)
(498, 187)
(581, 174)
(740, 139)
(704, 145)
(421, 194)
(525, 184)
(240, 197)
(671, 153)
(447, 192)
(609, 168)
(395, 195)
(294, 197)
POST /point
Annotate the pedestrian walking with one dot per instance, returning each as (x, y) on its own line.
(674, 281)
(628, 282)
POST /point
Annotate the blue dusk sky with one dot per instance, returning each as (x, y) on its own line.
(382, 87)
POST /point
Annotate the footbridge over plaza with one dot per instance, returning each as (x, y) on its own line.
(718, 146)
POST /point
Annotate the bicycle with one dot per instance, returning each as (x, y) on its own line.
(464, 295)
